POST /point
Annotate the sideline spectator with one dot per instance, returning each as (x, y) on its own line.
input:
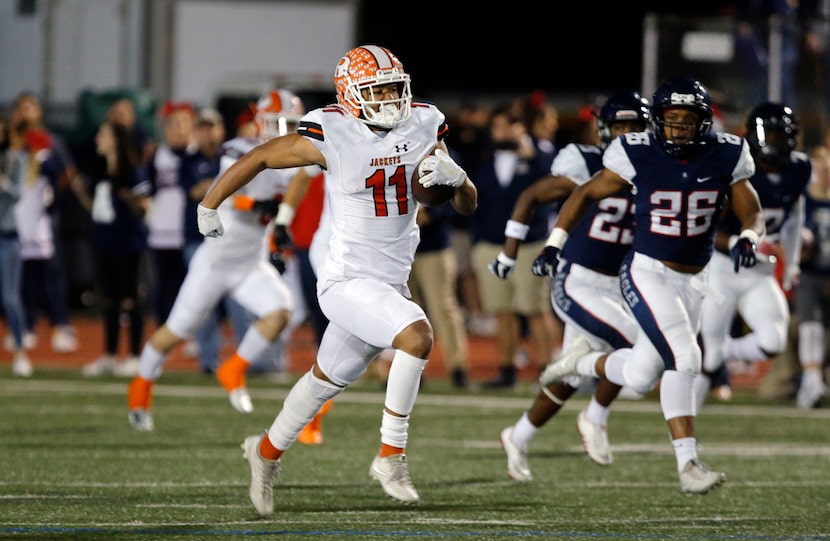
(13, 167)
(119, 240)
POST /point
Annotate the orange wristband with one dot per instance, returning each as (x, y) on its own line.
(243, 202)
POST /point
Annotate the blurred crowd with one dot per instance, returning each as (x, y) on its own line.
(65, 250)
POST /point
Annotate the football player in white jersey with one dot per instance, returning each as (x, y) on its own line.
(781, 177)
(370, 143)
(234, 264)
(680, 175)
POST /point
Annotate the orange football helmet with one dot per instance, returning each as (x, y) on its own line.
(363, 68)
(277, 113)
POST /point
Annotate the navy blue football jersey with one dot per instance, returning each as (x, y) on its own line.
(602, 238)
(778, 193)
(678, 202)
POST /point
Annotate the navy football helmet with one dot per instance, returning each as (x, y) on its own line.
(621, 107)
(683, 93)
(772, 131)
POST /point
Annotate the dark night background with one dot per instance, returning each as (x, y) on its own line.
(520, 46)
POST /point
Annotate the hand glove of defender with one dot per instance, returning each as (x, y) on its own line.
(210, 225)
(281, 246)
(743, 253)
(502, 266)
(439, 168)
(282, 238)
(266, 206)
(546, 262)
(279, 261)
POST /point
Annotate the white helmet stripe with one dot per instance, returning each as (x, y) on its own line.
(383, 60)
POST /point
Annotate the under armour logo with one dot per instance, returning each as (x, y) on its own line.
(402, 148)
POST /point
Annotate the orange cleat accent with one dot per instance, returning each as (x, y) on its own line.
(140, 394)
(231, 374)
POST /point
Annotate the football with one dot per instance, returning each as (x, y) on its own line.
(432, 196)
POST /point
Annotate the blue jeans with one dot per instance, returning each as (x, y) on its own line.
(11, 280)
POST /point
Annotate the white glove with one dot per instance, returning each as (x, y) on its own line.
(439, 168)
(502, 266)
(210, 225)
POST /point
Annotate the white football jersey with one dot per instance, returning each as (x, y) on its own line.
(370, 203)
(244, 239)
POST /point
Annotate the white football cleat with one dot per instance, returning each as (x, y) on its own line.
(141, 420)
(595, 440)
(392, 472)
(263, 475)
(517, 466)
(697, 478)
(241, 400)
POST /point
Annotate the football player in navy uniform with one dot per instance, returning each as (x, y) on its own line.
(585, 293)
(681, 173)
(781, 177)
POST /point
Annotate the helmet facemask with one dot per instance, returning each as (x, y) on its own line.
(376, 111)
(682, 93)
(686, 149)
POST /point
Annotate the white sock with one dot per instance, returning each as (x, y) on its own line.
(597, 413)
(150, 363)
(587, 364)
(810, 343)
(523, 431)
(253, 345)
(394, 430)
(685, 449)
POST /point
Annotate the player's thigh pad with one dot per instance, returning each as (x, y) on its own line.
(593, 303)
(198, 295)
(343, 357)
(263, 291)
(374, 311)
(668, 310)
(643, 368)
(764, 308)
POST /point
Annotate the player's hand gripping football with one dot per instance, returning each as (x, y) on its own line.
(210, 225)
(502, 266)
(439, 168)
(546, 262)
(743, 253)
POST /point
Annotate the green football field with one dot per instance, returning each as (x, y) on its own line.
(72, 468)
